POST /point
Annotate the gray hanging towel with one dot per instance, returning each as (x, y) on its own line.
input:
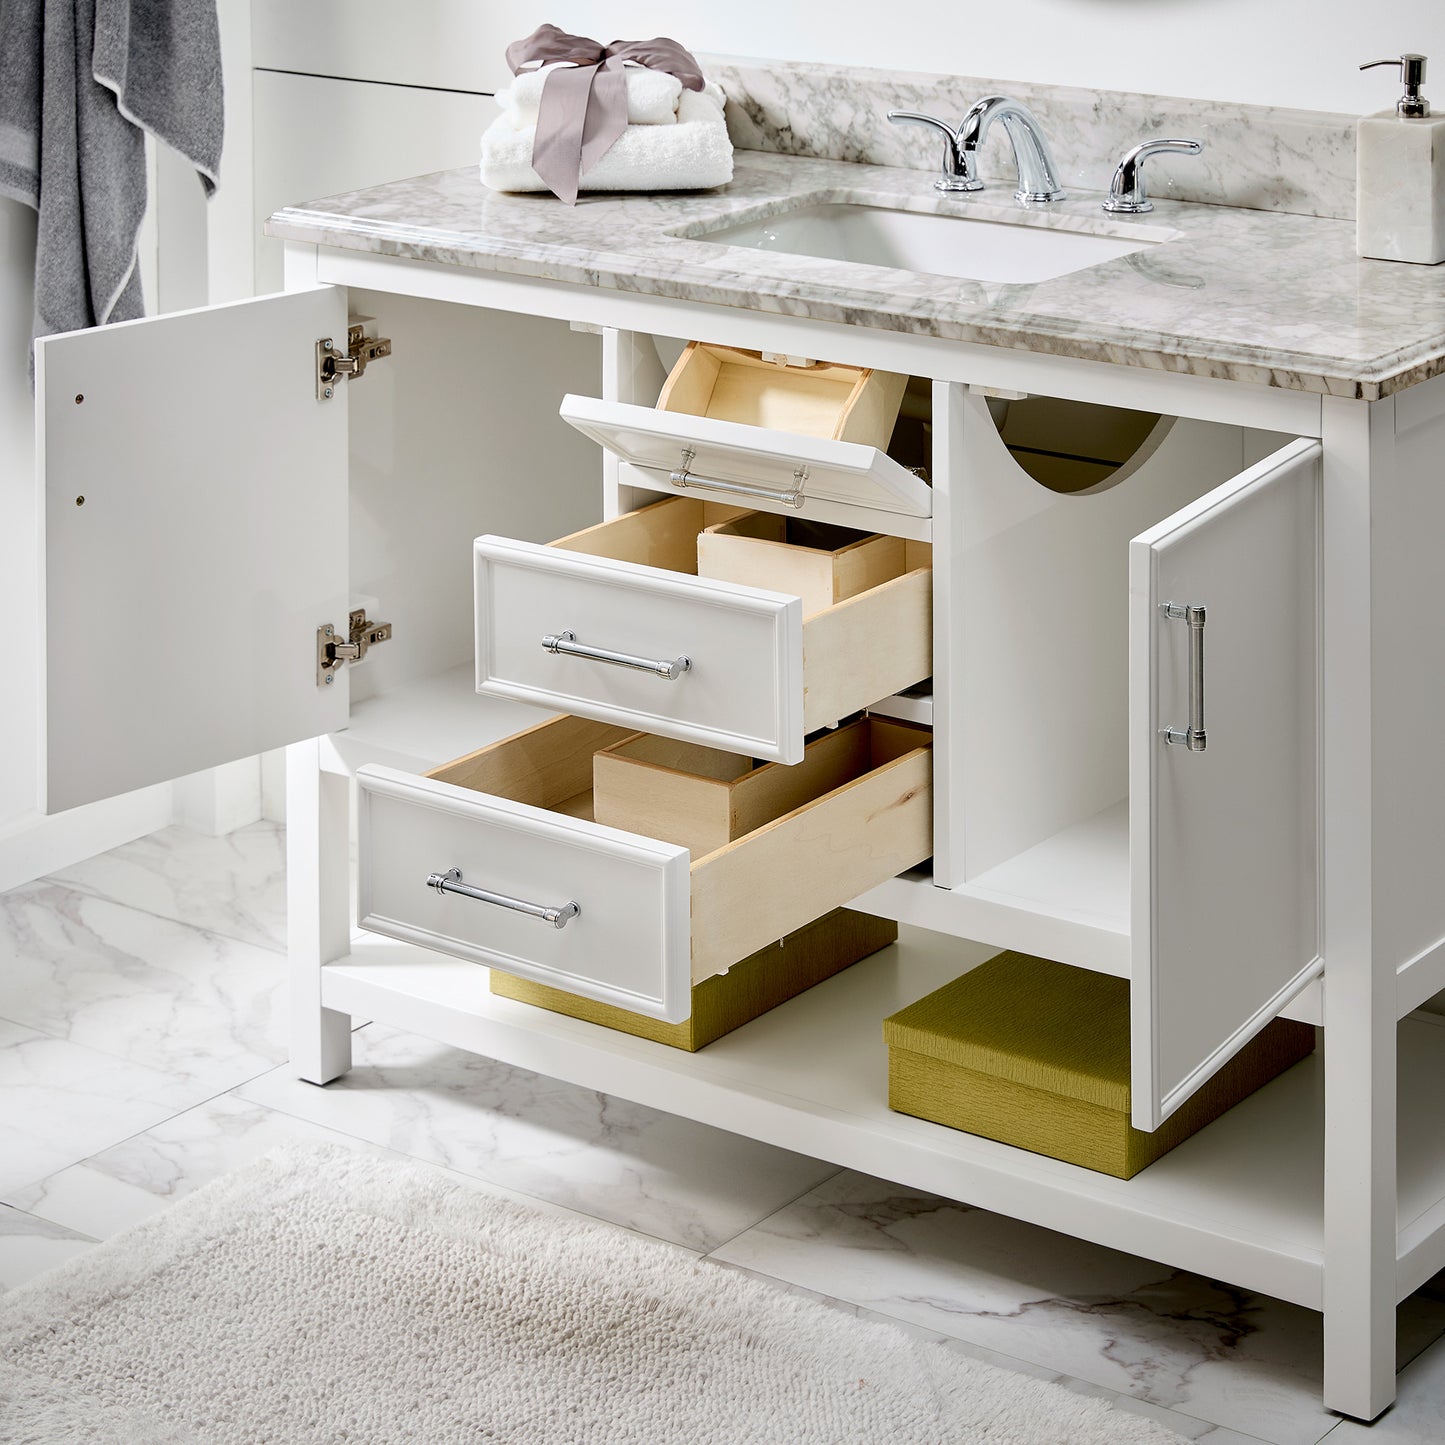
(80, 80)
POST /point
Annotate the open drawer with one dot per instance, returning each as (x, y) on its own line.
(616, 916)
(774, 470)
(614, 624)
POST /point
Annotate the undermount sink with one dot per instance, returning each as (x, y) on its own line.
(969, 247)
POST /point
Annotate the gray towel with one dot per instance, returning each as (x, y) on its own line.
(79, 81)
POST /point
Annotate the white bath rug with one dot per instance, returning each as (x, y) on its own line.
(325, 1296)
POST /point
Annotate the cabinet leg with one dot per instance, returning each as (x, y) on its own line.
(1360, 987)
(318, 910)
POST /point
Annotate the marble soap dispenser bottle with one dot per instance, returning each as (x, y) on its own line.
(1400, 175)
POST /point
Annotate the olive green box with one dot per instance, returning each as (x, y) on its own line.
(1036, 1054)
(728, 1000)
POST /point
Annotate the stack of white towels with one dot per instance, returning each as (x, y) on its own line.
(676, 139)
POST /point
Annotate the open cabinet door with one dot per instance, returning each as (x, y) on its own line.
(1223, 826)
(194, 538)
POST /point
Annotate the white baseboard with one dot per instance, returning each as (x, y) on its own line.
(33, 845)
(273, 785)
(220, 800)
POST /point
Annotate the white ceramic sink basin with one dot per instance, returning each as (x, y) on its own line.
(973, 248)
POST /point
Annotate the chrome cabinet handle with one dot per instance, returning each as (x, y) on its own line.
(451, 882)
(566, 645)
(1192, 737)
(789, 497)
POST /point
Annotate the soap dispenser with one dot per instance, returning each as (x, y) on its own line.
(1400, 175)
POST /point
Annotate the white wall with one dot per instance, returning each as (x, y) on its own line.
(1300, 53)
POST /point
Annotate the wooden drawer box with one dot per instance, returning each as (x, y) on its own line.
(635, 921)
(844, 403)
(823, 564)
(1036, 1054)
(702, 799)
(728, 1000)
(731, 667)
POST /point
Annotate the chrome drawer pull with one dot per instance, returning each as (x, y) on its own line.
(789, 498)
(451, 882)
(566, 644)
(1193, 736)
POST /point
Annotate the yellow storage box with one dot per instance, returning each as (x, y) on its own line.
(1036, 1054)
(728, 1000)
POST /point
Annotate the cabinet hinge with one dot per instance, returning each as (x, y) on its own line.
(331, 651)
(332, 365)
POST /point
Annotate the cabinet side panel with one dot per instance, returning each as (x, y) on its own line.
(1407, 517)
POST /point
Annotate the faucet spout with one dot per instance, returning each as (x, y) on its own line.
(1037, 173)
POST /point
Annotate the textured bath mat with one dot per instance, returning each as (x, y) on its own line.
(325, 1296)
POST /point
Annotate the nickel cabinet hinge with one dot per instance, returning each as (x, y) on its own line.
(332, 365)
(362, 634)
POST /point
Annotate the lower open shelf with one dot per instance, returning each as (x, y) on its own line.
(1240, 1201)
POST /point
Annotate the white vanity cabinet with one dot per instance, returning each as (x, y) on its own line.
(1152, 710)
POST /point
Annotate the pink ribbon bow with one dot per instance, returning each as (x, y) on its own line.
(584, 104)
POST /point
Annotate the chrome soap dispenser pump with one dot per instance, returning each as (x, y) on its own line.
(1412, 76)
(1400, 175)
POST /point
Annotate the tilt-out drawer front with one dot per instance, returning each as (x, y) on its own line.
(641, 920)
(775, 470)
(614, 624)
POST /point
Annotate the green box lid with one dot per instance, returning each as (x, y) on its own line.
(1046, 1025)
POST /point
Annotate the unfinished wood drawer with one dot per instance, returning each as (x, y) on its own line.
(615, 624)
(805, 398)
(822, 563)
(618, 916)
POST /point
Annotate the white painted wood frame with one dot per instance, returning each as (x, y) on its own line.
(1244, 1199)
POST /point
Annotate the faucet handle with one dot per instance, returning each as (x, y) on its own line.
(958, 164)
(1126, 191)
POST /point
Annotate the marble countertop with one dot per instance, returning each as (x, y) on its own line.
(1255, 296)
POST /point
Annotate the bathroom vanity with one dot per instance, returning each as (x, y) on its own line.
(1182, 677)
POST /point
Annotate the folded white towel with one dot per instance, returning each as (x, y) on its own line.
(695, 154)
(651, 96)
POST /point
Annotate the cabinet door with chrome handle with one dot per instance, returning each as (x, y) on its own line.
(1223, 823)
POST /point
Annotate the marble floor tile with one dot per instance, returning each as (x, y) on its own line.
(652, 1172)
(1204, 1349)
(148, 1172)
(29, 1246)
(61, 1103)
(234, 886)
(1188, 1426)
(1418, 1414)
(140, 987)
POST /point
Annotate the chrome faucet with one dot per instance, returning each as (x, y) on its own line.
(1037, 174)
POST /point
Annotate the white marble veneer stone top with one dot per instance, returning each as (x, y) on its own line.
(1266, 297)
